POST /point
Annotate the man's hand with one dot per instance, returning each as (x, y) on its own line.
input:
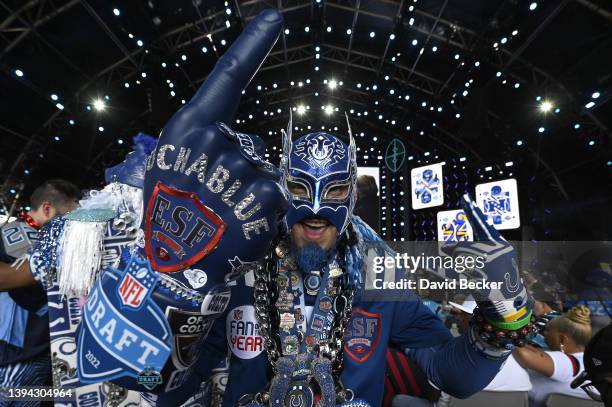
(19, 277)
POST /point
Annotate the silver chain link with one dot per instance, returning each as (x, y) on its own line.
(264, 280)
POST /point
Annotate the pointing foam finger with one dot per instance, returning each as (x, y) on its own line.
(482, 230)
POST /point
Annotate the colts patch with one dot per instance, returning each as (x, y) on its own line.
(124, 332)
(189, 328)
(362, 335)
(180, 229)
(243, 332)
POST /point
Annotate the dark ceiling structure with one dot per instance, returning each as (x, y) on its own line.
(491, 82)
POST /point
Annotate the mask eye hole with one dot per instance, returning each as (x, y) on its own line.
(298, 190)
(337, 192)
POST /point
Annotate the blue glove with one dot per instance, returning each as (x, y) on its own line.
(212, 204)
(509, 306)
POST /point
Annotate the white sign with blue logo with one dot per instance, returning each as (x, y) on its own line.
(499, 202)
(453, 226)
(427, 186)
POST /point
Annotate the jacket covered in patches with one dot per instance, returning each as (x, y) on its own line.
(451, 364)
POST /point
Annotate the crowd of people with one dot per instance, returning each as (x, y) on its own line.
(548, 364)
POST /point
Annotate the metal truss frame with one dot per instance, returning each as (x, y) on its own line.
(33, 14)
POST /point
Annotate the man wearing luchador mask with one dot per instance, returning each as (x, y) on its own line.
(298, 329)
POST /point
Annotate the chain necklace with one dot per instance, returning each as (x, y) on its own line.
(268, 318)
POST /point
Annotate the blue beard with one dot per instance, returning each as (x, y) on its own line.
(311, 257)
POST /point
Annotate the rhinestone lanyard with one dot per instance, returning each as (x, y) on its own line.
(267, 294)
(297, 335)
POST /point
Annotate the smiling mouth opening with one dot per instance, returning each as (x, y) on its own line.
(315, 224)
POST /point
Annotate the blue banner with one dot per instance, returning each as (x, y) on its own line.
(110, 344)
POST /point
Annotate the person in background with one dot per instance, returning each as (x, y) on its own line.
(24, 325)
(552, 371)
(54, 198)
(545, 310)
(596, 379)
(368, 205)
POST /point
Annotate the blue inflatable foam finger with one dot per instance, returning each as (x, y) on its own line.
(211, 205)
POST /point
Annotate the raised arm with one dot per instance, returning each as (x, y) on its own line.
(15, 277)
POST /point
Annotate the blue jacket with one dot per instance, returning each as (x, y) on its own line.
(451, 364)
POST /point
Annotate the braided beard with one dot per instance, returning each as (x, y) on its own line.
(311, 257)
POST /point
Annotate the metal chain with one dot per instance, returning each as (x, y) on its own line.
(265, 289)
(339, 329)
(266, 293)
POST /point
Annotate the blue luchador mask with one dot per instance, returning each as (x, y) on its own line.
(319, 174)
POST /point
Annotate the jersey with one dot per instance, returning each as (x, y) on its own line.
(566, 367)
(24, 332)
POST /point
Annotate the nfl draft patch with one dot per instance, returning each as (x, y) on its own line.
(149, 378)
(180, 229)
(362, 335)
(111, 345)
(243, 332)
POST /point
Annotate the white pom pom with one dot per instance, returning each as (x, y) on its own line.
(80, 256)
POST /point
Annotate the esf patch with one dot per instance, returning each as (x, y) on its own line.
(243, 332)
(363, 334)
(180, 229)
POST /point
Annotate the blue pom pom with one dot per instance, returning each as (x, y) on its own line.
(147, 142)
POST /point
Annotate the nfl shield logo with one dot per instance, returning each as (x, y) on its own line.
(180, 229)
(136, 283)
(131, 291)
